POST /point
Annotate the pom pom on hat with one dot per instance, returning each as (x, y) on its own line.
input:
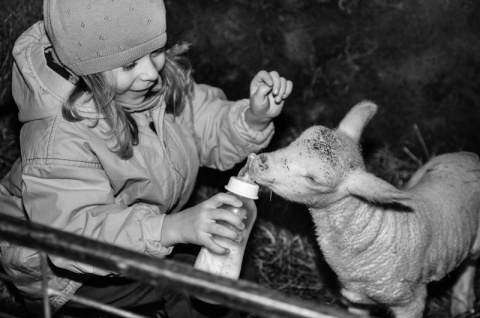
(91, 36)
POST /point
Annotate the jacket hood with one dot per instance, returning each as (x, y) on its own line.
(39, 91)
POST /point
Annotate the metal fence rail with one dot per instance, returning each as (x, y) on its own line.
(240, 295)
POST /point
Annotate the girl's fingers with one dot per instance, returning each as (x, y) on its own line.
(215, 248)
(226, 230)
(276, 82)
(263, 91)
(281, 91)
(289, 89)
(221, 231)
(259, 97)
(262, 77)
(225, 198)
(230, 217)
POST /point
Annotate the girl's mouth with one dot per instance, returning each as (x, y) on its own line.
(156, 87)
(152, 87)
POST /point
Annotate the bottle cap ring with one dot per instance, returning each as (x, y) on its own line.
(246, 189)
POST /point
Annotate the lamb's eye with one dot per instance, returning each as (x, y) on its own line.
(310, 179)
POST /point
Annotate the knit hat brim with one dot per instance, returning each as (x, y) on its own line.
(92, 36)
(118, 59)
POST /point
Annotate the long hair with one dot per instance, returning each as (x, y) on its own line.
(177, 88)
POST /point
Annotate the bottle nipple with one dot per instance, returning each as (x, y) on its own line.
(244, 173)
(243, 184)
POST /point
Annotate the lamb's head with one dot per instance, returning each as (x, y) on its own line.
(322, 165)
(314, 163)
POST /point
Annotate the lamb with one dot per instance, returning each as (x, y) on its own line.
(385, 244)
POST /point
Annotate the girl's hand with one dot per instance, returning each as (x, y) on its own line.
(197, 224)
(268, 91)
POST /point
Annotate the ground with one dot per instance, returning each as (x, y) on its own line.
(417, 59)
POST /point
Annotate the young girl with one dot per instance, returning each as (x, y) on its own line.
(114, 132)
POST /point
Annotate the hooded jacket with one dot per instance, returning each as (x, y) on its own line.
(69, 179)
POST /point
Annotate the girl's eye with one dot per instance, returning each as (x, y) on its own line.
(128, 67)
(158, 52)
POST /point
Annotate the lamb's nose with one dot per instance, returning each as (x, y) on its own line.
(262, 161)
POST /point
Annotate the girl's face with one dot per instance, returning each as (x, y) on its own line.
(138, 78)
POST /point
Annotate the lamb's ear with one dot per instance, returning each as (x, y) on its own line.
(357, 118)
(373, 189)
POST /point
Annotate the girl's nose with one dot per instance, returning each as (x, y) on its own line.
(149, 71)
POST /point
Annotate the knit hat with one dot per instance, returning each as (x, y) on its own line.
(91, 36)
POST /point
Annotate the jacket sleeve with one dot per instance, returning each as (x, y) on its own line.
(223, 137)
(78, 198)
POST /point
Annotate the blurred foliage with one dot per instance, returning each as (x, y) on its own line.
(15, 17)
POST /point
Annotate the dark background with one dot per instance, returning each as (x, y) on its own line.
(417, 59)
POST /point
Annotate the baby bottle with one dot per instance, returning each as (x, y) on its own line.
(229, 265)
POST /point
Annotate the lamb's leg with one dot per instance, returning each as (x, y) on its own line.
(413, 309)
(463, 294)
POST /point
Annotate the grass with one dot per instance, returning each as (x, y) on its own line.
(417, 59)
